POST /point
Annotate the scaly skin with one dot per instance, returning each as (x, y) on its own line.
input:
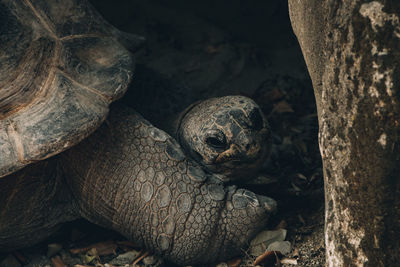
(135, 179)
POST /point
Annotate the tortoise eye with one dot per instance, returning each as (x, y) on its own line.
(216, 140)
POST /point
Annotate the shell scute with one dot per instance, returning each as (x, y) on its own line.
(61, 67)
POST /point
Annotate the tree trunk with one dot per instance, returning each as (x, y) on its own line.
(352, 51)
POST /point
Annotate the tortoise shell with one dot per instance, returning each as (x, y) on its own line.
(61, 67)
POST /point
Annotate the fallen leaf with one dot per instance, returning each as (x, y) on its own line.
(152, 260)
(78, 250)
(296, 253)
(296, 188)
(260, 243)
(90, 256)
(234, 262)
(268, 258)
(289, 261)
(140, 258)
(301, 219)
(301, 176)
(283, 107)
(103, 248)
(57, 262)
(125, 258)
(283, 247)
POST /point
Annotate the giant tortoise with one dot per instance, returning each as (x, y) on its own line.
(61, 67)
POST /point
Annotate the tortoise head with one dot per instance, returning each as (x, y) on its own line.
(228, 135)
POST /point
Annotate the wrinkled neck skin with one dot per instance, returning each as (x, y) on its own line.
(135, 179)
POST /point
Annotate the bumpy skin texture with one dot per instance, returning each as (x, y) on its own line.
(228, 135)
(134, 178)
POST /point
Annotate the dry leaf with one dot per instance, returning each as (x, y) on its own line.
(125, 258)
(91, 255)
(234, 262)
(103, 248)
(296, 253)
(289, 261)
(268, 257)
(140, 258)
(260, 243)
(283, 247)
(283, 107)
(57, 262)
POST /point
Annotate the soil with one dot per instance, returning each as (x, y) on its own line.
(200, 49)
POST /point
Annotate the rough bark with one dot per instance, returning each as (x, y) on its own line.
(351, 48)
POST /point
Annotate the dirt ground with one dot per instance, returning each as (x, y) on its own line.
(196, 50)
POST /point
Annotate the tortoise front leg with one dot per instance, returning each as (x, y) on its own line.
(134, 178)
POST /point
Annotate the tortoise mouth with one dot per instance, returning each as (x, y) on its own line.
(239, 166)
(238, 159)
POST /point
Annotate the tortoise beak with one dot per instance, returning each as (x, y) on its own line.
(230, 154)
